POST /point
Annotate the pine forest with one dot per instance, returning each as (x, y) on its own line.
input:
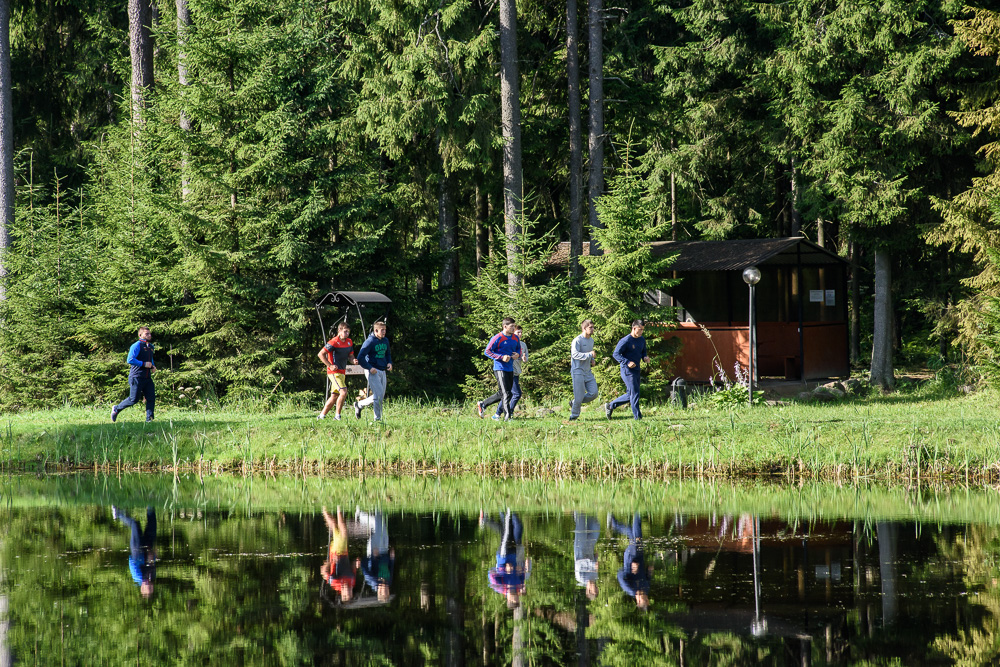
(211, 168)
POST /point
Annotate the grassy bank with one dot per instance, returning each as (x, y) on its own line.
(187, 494)
(904, 437)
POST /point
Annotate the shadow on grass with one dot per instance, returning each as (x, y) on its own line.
(895, 398)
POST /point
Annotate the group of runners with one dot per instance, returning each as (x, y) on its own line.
(509, 575)
(374, 357)
(506, 349)
(509, 354)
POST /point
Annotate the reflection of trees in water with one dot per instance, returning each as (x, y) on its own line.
(977, 641)
(237, 589)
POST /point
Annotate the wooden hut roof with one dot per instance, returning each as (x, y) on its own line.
(733, 255)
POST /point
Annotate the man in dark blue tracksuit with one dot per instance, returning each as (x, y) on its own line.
(142, 549)
(634, 577)
(140, 376)
(629, 352)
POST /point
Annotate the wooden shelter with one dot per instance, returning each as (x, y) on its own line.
(802, 329)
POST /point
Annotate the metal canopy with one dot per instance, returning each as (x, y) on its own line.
(346, 301)
(352, 298)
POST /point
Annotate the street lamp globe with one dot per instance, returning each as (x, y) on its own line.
(751, 275)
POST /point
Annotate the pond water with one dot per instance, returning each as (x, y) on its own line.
(487, 572)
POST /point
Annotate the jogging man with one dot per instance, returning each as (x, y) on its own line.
(140, 376)
(518, 365)
(629, 352)
(509, 576)
(582, 359)
(503, 349)
(142, 549)
(376, 358)
(337, 570)
(634, 576)
(335, 355)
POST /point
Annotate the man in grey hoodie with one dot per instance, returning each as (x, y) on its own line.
(582, 358)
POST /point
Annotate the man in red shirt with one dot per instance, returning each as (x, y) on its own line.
(336, 354)
(337, 570)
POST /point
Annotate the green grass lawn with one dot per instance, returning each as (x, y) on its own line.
(900, 437)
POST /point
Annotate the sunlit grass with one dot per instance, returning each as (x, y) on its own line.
(900, 438)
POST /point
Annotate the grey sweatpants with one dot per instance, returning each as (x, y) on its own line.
(376, 385)
(584, 391)
(378, 532)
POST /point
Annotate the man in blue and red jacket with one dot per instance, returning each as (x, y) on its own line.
(504, 348)
(140, 375)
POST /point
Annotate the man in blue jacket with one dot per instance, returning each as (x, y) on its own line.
(140, 375)
(634, 577)
(142, 549)
(629, 352)
(376, 358)
(504, 348)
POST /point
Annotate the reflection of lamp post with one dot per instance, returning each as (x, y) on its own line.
(758, 627)
(751, 276)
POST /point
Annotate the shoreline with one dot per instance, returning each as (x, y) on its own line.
(469, 494)
(894, 439)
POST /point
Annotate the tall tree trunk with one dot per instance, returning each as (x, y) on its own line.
(796, 215)
(454, 645)
(488, 636)
(331, 165)
(510, 119)
(673, 200)
(888, 550)
(154, 23)
(575, 141)
(882, 372)
(448, 233)
(583, 657)
(820, 232)
(855, 342)
(6, 146)
(482, 231)
(183, 28)
(784, 220)
(595, 142)
(141, 52)
(517, 640)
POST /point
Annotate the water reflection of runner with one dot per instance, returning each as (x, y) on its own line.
(585, 536)
(634, 577)
(377, 567)
(337, 570)
(142, 549)
(511, 572)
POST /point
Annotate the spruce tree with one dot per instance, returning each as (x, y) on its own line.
(968, 225)
(426, 97)
(6, 147)
(132, 242)
(715, 119)
(619, 283)
(543, 305)
(51, 261)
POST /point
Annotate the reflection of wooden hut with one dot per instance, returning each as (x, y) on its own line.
(801, 306)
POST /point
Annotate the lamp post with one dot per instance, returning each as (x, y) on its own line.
(751, 276)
